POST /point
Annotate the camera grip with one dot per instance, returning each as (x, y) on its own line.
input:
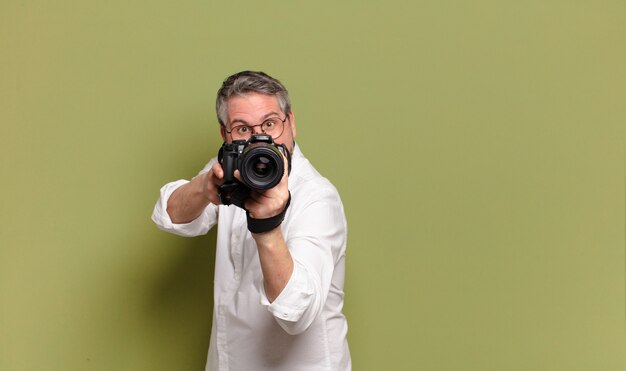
(233, 193)
(228, 161)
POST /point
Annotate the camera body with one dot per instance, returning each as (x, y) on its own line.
(260, 164)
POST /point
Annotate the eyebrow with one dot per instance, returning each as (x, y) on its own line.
(270, 114)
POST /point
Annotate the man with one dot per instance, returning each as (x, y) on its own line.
(278, 292)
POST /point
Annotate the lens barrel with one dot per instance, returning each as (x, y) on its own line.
(261, 166)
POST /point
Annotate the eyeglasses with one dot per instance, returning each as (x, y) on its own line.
(273, 126)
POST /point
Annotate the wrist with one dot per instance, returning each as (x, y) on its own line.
(265, 225)
(269, 238)
(201, 187)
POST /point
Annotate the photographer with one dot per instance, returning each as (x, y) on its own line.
(281, 239)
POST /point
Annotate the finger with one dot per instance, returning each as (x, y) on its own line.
(286, 165)
(237, 175)
(218, 172)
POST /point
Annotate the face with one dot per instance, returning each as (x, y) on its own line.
(253, 109)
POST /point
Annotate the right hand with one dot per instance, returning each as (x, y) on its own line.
(210, 182)
(189, 200)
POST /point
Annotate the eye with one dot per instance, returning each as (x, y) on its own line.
(269, 124)
(242, 129)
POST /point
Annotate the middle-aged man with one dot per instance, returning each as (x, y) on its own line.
(280, 257)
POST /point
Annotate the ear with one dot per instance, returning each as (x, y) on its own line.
(292, 121)
(223, 132)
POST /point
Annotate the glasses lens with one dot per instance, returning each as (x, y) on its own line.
(241, 132)
(273, 126)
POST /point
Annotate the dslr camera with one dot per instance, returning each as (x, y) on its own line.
(260, 163)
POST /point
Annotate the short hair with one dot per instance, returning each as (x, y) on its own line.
(247, 82)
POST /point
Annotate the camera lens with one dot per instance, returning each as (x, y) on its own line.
(261, 166)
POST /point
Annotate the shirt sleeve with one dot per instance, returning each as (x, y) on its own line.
(199, 226)
(316, 237)
(295, 297)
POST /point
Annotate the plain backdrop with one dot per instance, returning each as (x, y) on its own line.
(478, 147)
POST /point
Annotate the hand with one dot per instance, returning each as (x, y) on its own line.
(189, 200)
(210, 182)
(271, 202)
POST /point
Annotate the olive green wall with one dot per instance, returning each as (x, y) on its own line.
(478, 147)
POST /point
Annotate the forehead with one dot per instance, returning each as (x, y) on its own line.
(252, 106)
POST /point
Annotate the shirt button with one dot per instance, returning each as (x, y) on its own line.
(285, 315)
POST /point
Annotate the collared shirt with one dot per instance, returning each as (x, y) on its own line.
(304, 327)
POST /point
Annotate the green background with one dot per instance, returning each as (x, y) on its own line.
(478, 147)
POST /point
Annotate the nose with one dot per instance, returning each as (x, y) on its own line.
(256, 129)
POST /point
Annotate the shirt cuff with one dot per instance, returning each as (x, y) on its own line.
(294, 299)
(162, 219)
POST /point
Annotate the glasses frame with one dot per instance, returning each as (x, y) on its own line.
(258, 125)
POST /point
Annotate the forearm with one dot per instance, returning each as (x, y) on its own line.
(187, 202)
(276, 262)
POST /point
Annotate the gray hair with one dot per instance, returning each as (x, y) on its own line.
(246, 82)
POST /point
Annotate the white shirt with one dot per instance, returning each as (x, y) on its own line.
(304, 328)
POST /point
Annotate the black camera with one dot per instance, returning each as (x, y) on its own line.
(260, 163)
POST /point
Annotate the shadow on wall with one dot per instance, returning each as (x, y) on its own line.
(179, 301)
(174, 275)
